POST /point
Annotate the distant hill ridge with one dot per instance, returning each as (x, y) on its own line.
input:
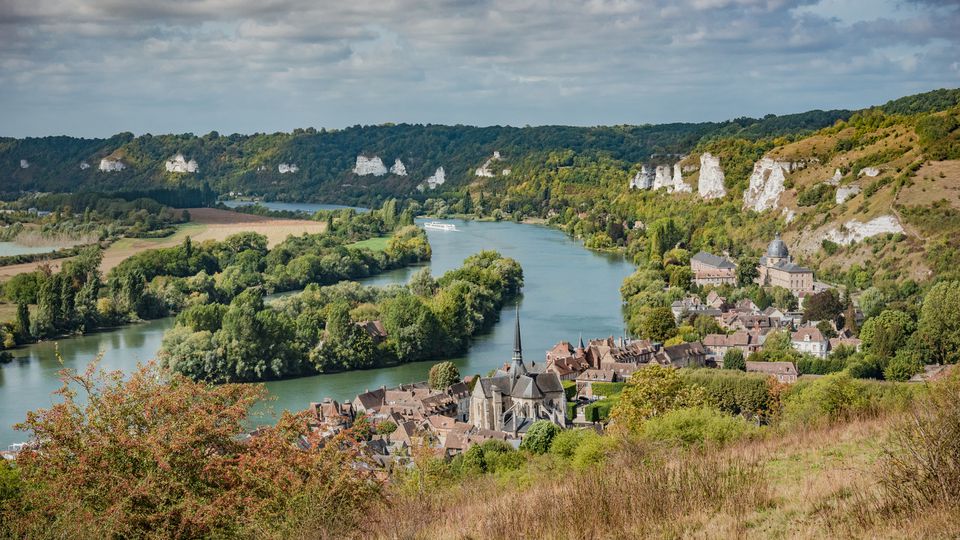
(310, 164)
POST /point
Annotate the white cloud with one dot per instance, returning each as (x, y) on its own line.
(260, 65)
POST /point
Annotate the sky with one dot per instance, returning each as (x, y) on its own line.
(99, 67)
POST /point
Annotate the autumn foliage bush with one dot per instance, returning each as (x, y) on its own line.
(157, 455)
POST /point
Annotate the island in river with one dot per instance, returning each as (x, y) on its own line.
(568, 290)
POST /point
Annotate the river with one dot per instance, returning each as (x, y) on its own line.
(568, 291)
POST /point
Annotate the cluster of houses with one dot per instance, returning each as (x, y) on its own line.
(505, 404)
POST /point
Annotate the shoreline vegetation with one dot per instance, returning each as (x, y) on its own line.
(165, 281)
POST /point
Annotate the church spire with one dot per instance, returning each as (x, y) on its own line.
(517, 349)
(517, 368)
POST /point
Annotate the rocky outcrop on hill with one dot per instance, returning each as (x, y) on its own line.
(835, 179)
(287, 168)
(855, 231)
(24, 164)
(710, 185)
(766, 184)
(643, 179)
(660, 177)
(373, 165)
(845, 193)
(438, 179)
(869, 171)
(179, 164)
(84, 165)
(398, 168)
(485, 171)
(111, 165)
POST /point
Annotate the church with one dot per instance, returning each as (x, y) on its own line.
(516, 397)
(777, 269)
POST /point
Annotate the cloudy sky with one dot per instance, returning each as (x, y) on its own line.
(97, 67)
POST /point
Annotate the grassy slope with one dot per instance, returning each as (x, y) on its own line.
(806, 484)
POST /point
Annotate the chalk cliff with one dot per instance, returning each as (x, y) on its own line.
(286, 168)
(766, 184)
(845, 193)
(485, 171)
(84, 165)
(111, 165)
(644, 179)
(855, 231)
(179, 164)
(438, 179)
(24, 164)
(710, 185)
(398, 168)
(373, 165)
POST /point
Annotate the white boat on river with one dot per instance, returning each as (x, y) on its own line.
(437, 226)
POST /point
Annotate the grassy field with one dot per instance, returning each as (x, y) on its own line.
(374, 244)
(808, 483)
(205, 224)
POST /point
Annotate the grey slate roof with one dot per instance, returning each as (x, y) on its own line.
(713, 260)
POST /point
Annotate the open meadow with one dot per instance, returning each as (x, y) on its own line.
(205, 224)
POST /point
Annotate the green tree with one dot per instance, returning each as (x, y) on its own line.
(652, 391)
(540, 436)
(904, 365)
(884, 334)
(939, 326)
(657, 324)
(733, 359)
(747, 272)
(443, 374)
(823, 306)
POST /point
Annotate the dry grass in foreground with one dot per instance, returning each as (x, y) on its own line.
(813, 483)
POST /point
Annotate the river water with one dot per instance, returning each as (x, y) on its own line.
(568, 291)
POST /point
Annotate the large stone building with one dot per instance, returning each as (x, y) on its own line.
(778, 270)
(709, 269)
(516, 397)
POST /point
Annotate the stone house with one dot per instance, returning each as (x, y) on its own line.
(709, 269)
(785, 372)
(809, 340)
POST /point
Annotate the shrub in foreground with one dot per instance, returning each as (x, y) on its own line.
(158, 455)
(697, 426)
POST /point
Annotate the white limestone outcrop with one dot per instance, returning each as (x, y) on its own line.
(286, 168)
(111, 165)
(398, 168)
(179, 164)
(844, 193)
(484, 170)
(24, 164)
(644, 178)
(766, 184)
(84, 165)
(711, 177)
(835, 179)
(438, 179)
(855, 231)
(869, 171)
(677, 185)
(506, 172)
(662, 177)
(788, 215)
(372, 165)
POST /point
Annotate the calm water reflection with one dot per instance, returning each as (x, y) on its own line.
(568, 290)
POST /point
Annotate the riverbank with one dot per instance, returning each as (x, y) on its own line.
(551, 311)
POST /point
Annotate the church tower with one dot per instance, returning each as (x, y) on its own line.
(516, 366)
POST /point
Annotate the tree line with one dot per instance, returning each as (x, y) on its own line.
(335, 328)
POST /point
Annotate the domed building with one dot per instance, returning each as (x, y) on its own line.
(778, 270)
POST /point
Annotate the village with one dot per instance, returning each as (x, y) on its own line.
(571, 383)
